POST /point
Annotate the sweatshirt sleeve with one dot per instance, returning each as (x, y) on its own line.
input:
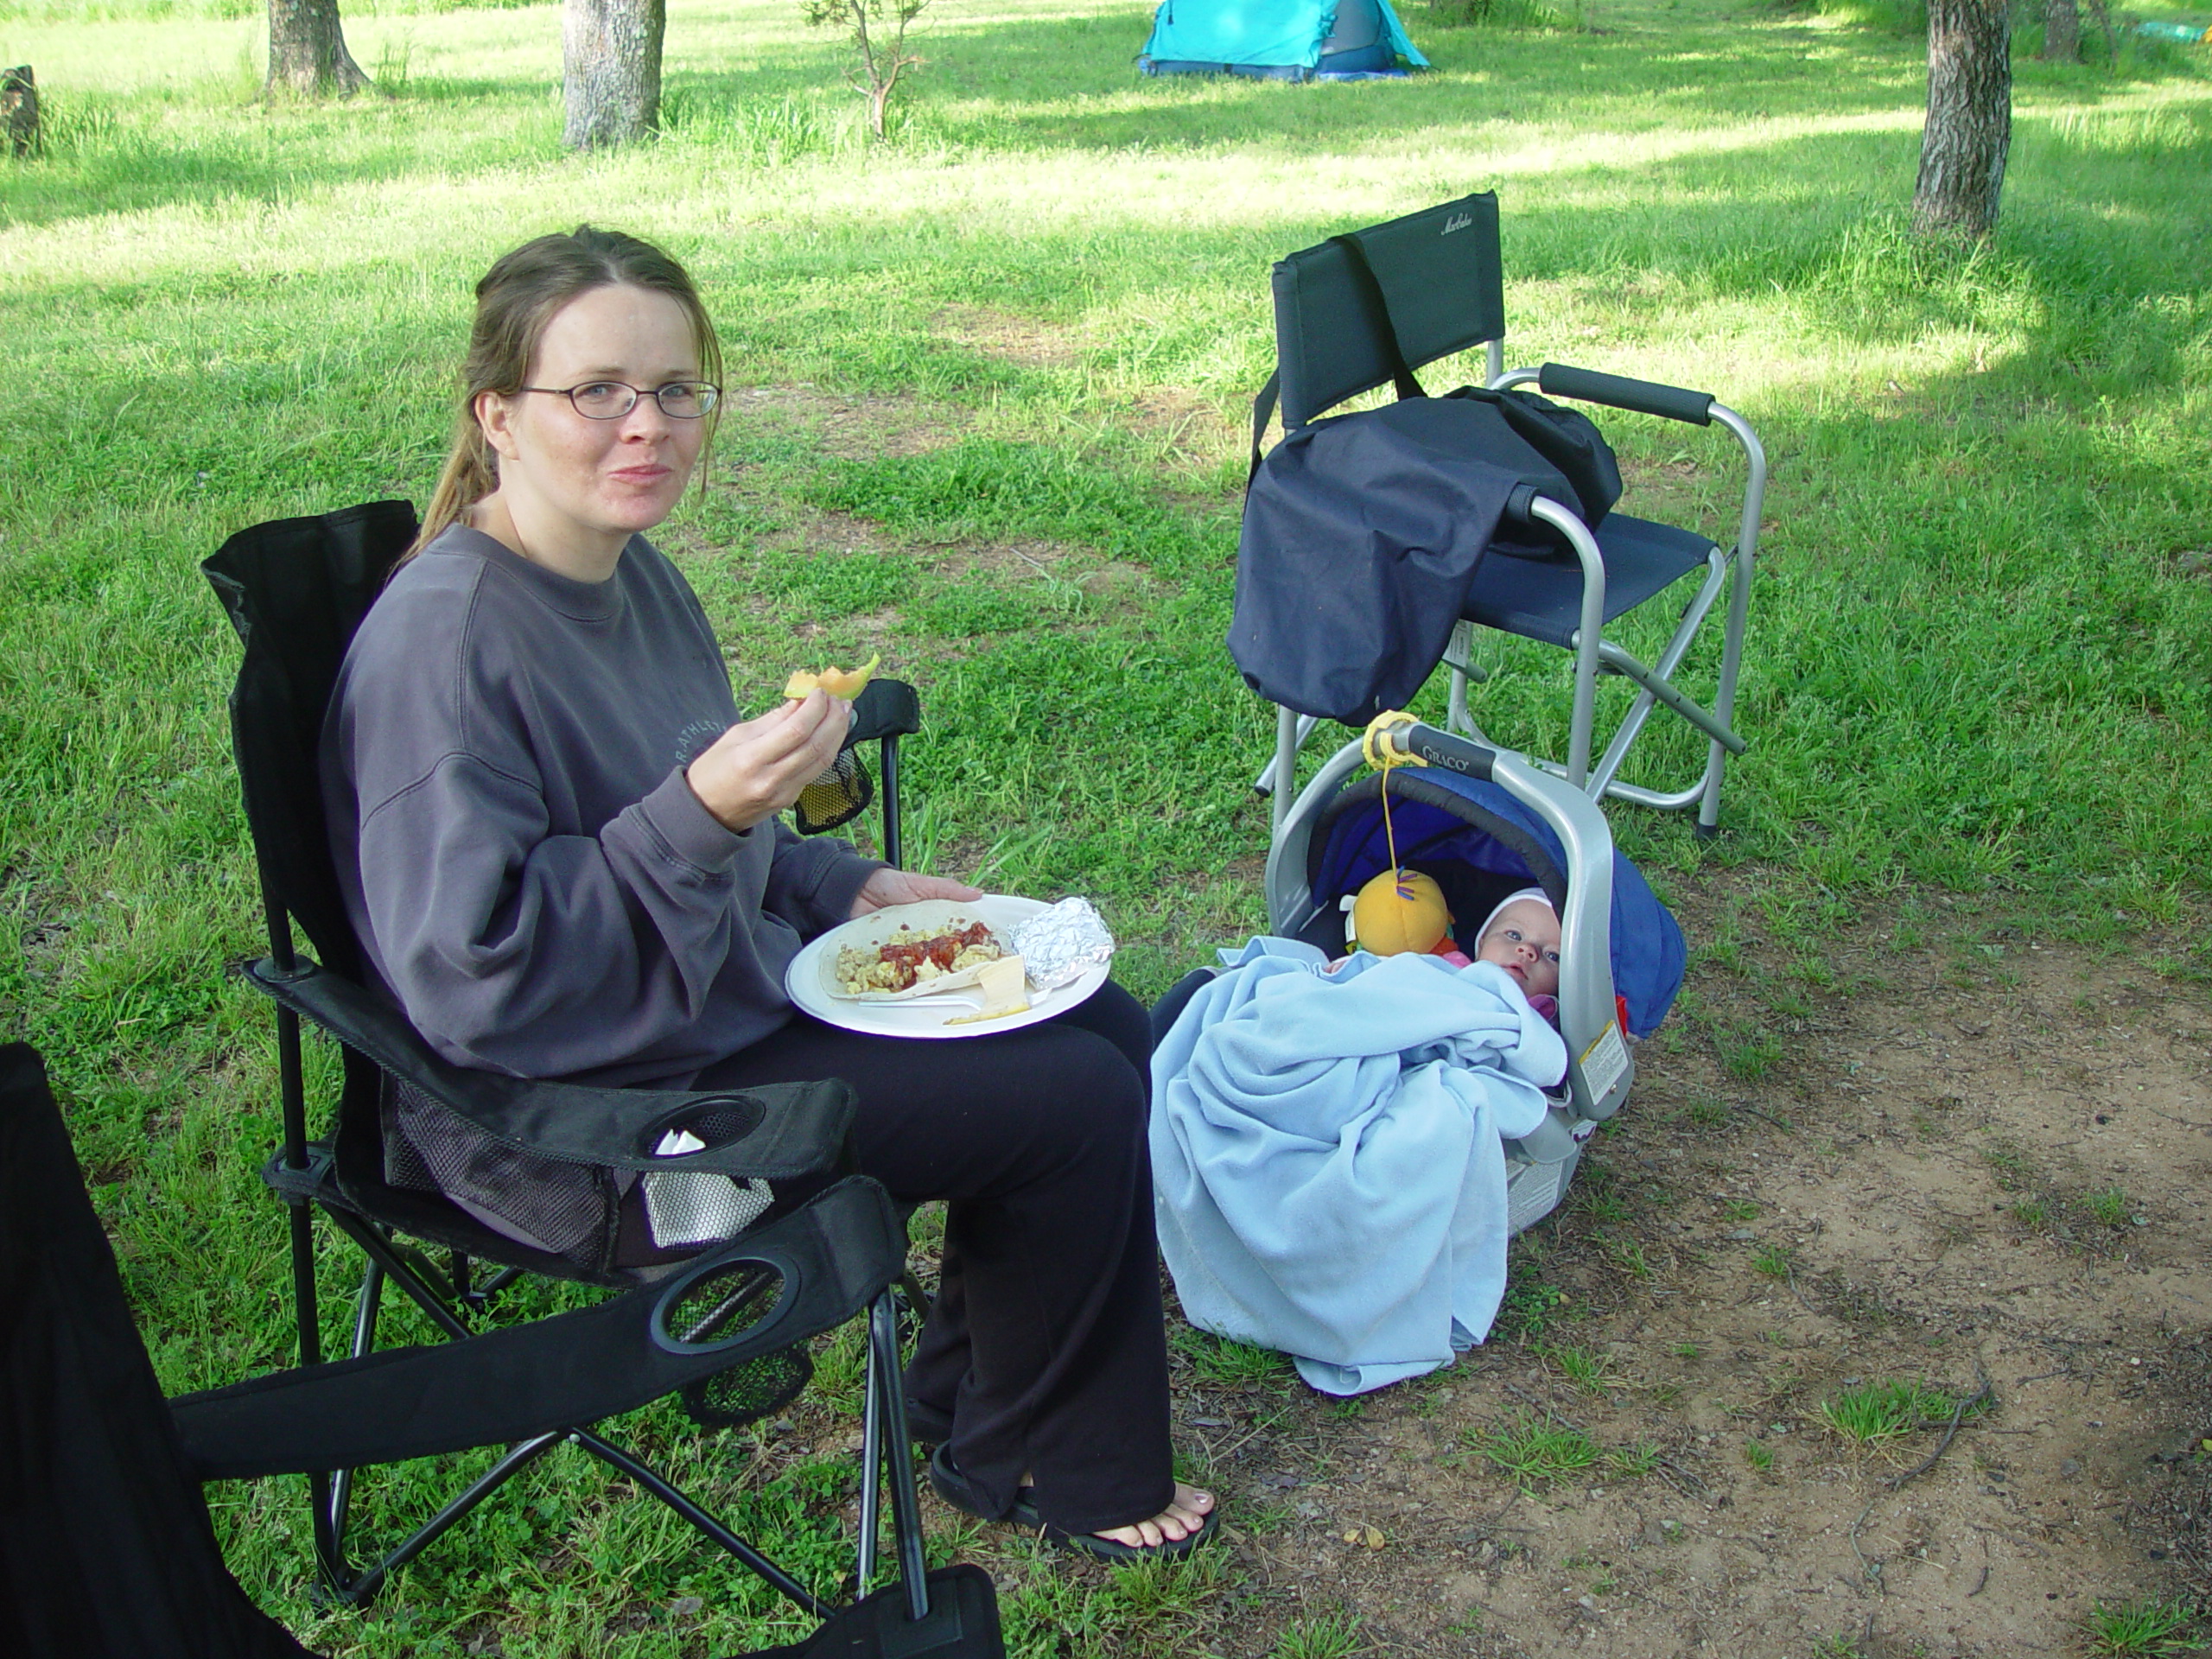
(546, 955)
(812, 881)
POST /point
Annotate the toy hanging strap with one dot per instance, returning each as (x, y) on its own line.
(1383, 746)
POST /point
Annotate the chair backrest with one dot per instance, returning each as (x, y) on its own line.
(105, 1546)
(295, 590)
(1442, 290)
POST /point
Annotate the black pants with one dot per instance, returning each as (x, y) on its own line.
(1045, 1344)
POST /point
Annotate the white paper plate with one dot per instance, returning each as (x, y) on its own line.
(925, 1016)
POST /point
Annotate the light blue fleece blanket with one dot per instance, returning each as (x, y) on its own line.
(1327, 1170)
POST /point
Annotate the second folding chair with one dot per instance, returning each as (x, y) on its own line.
(1364, 310)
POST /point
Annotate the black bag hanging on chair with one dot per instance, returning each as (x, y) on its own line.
(1567, 443)
(1363, 532)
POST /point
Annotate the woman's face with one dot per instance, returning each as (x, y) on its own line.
(570, 482)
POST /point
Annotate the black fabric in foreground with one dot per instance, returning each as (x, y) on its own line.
(963, 1624)
(833, 1256)
(105, 1546)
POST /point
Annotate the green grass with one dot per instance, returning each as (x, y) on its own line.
(1532, 1450)
(1632, 1462)
(1225, 1363)
(986, 394)
(1774, 1261)
(1585, 1370)
(1327, 1636)
(2111, 1206)
(1873, 1414)
(2136, 1630)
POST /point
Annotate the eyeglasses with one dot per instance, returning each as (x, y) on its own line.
(610, 400)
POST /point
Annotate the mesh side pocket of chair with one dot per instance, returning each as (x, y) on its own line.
(564, 1208)
(404, 1167)
(720, 1306)
(837, 797)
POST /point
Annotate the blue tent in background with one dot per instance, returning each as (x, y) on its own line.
(1279, 39)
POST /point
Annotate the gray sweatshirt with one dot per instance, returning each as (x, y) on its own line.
(530, 875)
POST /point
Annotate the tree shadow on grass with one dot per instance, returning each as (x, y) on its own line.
(126, 157)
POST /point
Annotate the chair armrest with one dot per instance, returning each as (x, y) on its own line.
(774, 1131)
(885, 708)
(1618, 391)
(831, 1256)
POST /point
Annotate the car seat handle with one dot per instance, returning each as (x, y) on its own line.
(1419, 745)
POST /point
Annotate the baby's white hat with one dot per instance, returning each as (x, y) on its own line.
(1536, 893)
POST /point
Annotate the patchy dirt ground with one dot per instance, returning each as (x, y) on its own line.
(1934, 1154)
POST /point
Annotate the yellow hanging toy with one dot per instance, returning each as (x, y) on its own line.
(1399, 910)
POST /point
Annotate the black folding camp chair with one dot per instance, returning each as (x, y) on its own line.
(295, 590)
(1433, 285)
(106, 1550)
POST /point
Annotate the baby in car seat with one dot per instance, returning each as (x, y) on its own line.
(1521, 935)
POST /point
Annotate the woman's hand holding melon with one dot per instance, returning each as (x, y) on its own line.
(757, 768)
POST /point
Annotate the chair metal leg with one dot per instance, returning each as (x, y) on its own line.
(435, 1305)
(899, 1460)
(1460, 659)
(892, 849)
(607, 1452)
(356, 1590)
(365, 1306)
(1657, 687)
(1740, 603)
(1723, 701)
(885, 1455)
(306, 1307)
(1588, 637)
(872, 1460)
(1279, 781)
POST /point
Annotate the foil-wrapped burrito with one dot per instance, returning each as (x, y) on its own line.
(1061, 942)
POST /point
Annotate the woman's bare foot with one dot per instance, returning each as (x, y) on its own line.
(1186, 1512)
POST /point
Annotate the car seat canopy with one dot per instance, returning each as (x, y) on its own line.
(1480, 842)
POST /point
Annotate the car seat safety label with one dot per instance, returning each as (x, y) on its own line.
(1604, 1062)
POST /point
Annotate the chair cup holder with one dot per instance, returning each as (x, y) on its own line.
(707, 1123)
(725, 1302)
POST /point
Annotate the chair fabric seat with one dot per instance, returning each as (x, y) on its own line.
(1542, 598)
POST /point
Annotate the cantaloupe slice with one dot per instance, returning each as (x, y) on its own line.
(837, 681)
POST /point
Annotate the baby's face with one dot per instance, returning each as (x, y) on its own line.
(1524, 941)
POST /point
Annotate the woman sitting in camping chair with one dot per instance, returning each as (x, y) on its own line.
(559, 844)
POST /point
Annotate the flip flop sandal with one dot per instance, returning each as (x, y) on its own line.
(954, 1488)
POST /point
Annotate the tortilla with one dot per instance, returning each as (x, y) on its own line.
(870, 932)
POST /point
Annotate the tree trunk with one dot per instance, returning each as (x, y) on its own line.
(19, 109)
(1970, 130)
(610, 70)
(307, 49)
(2062, 32)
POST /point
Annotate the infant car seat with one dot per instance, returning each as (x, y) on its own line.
(1483, 823)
